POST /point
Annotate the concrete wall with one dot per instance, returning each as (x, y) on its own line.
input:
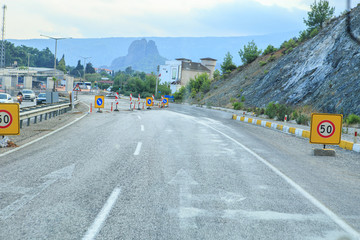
(49, 83)
(210, 64)
(69, 83)
(28, 82)
(187, 74)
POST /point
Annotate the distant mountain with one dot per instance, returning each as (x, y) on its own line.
(142, 56)
(104, 50)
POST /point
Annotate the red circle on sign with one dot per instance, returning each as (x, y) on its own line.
(6, 126)
(321, 134)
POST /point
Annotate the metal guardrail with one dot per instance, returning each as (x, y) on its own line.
(45, 112)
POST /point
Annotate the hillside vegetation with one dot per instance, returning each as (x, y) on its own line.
(321, 73)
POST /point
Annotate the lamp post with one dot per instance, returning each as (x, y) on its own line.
(56, 39)
(84, 65)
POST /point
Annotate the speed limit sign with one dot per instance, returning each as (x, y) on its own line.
(9, 119)
(325, 128)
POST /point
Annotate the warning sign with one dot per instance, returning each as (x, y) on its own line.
(77, 88)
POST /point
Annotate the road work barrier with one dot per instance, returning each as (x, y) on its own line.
(353, 146)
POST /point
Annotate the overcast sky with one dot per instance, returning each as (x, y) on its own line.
(161, 18)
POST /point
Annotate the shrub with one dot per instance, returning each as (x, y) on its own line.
(289, 50)
(232, 100)
(242, 98)
(269, 49)
(302, 119)
(266, 71)
(215, 87)
(238, 105)
(271, 110)
(314, 32)
(262, 63)
(353, 119)
(272, 58)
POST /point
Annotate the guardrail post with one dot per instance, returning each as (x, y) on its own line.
(40, 118)
(21, 123)
(28, 122)
(35, 119)
(50, 114)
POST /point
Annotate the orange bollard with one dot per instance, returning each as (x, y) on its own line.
(143, 105)
(90, 107)
(134, 105)
(111, 107)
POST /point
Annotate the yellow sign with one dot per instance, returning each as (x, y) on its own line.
(149, 102)
(99, 101)
(326, 128)
(9, 119)
(165, 101)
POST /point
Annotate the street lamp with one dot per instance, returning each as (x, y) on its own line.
(56, 39)
(84, 65)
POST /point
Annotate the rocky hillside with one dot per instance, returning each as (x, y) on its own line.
(323, 72)
(142, 56)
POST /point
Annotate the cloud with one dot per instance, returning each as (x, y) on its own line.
(108, 18)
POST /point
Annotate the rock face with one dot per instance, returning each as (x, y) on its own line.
(142, 56)
(323, 72)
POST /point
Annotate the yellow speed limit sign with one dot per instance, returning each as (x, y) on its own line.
(326, 128)
(99, 101)
(9, 119)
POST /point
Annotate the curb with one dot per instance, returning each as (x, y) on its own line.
(294, 131)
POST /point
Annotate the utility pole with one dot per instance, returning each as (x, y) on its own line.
(2, 55)
(84, 65)
(157, 81)
(56, 39)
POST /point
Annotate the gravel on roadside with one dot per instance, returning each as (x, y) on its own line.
(34, 131)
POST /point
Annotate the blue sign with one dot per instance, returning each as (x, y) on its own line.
(164, 100)
(149, 101)
(99, 101)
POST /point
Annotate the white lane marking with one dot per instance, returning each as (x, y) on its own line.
(40, 138)
(139, 117)
(138, 148)
(102, 216)
(142, 128)
(344, 225)
(64, 173)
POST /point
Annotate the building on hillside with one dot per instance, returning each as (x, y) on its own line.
(99, 70)
(178, 72)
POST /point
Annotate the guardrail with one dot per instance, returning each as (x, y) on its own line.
(45, 112)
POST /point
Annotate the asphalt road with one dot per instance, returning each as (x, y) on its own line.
(177, 173)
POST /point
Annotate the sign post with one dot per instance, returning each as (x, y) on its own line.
(99, 103)
(9, 119)
(325, 129)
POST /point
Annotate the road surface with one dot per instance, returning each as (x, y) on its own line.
(177, 173)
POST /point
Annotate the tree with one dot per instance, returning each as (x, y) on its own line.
(62, 65)
(78, 71)
(320, 12)
(250, 52)
(89, 68)
(228, 64)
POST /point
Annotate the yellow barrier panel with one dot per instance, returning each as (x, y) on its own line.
(306, 134)
(258, 122)
(250, 120)
(268, 124)
(280, 127)
(292, 130)
(242, 119)
(346, 145)
(234, 116)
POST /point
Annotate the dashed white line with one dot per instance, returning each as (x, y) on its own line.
(142, 128)
(344, 225)
(139, 117)
(138, 148)
(102, 216)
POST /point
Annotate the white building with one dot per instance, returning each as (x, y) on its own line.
(179, 72)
